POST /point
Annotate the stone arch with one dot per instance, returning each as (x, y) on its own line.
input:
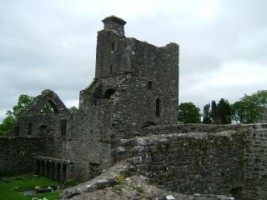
(46, 97)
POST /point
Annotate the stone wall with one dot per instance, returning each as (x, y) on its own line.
(255, 162)
(202, 159)
(17, 155)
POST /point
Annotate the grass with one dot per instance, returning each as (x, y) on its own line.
(10, 184)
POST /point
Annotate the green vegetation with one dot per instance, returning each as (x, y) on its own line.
(189, 113)
(119, 179)
(70, 182)
(23, 102)
(139, 190)
(10, 121)
(9, 187)
(249, 107)
(217, 113)
(246, 110)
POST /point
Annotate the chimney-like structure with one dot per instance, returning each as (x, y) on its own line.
(114, 24)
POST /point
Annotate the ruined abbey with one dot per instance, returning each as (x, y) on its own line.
(129, 112)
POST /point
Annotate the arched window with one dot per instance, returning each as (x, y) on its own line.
(108, 93)
(157, 107)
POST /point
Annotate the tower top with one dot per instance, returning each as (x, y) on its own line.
(115, 24)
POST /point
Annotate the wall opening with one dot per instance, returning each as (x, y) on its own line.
(47, 169)
(49, 107)
(53, 169)
(43, 129)
(149, 85)
(37, 167)
(110, 69)
(157, 107)
(42, 168)
(113, 46)
(29, 129)
(63, 126)
(64, 172)
(58, 172)
(148, 124)
(108, 93)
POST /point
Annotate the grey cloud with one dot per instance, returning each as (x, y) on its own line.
(51, 44)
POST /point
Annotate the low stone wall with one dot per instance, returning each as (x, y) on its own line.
(17, 155)
(189, 163)
(190, 159)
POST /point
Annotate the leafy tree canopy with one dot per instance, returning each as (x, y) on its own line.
(189, 113)
(73, 109)
(249, 107)
(10, 121)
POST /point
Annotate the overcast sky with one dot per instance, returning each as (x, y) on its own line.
(51, 44)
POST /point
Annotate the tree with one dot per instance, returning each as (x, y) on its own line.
(207, 114)
(23, 101)
(189, 113)
(7, 125)
(218, 114)
(10, 121)
(73, 109)
(249, 107)
(223, 112)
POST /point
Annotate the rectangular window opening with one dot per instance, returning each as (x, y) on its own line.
(149, 85)
(63, 126)
(29, 130)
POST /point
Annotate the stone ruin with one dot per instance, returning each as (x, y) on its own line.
(129, 112)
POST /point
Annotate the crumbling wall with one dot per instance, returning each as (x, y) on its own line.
(189, 162)
(87, 145)
(205, 159)
(18, 154)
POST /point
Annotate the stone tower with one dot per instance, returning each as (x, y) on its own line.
(136, 83)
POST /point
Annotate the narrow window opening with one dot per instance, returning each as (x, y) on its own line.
(113, 46)
(63, 126)
(42, 170)
(29, 131)
(95, 102)
(158, 107)
(47, 169)
(111, 69)
(58, 167)
(53, 169)
(37, 167)
(149, 85)
(64, 172)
